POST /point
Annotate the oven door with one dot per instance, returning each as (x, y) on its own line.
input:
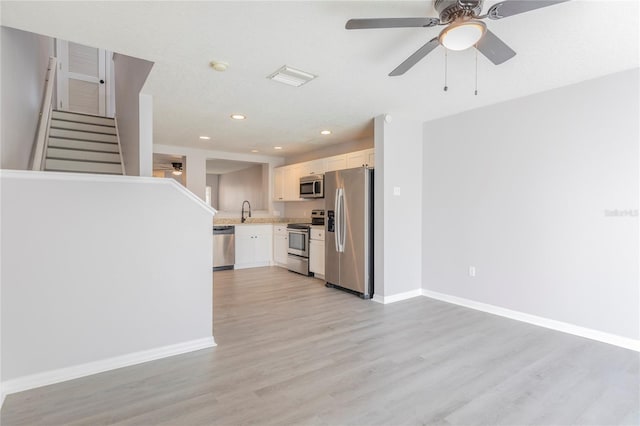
(299, 242)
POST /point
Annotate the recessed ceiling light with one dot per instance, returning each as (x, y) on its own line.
(254, 150)
(238, 116)
(291, 76)
(325, 132)
(206, 138)
(277, 147)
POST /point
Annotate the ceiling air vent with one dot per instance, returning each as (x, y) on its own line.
(291, 76)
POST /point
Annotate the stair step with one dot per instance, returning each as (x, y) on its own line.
(74, 154)
(83, 127)
(83, 145)
(82, 167)
(82, 118)
(85, 136)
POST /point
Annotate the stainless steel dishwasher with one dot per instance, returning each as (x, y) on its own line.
(224, 247)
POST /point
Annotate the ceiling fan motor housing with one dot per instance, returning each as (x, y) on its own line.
(450, 10)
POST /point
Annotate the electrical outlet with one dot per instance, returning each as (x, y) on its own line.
(472, 271)
(396, 190)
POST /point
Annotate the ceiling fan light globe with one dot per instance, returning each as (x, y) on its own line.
(462, 35)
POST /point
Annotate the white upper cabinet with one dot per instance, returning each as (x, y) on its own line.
(337, 162)
(364, 158)
(278, 184)
(286, 183)
(286, 179)
(356, 159)
(292, 182)
(372, 158)
(315, 167)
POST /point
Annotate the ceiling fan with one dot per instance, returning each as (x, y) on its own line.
(175, 167)
(464, 28)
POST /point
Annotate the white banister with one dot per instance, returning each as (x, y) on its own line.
(42, 134)
(115, 122)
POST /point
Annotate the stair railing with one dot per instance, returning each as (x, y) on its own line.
(115, 121)
(42, 135)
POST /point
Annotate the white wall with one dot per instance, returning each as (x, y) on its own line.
(96, 267)
(212, 181)
(520, 190)
(24, 58)
(302, 209)
(196, 160)
(146, 135)
(132, 111)
(397, 252)
(235, 187)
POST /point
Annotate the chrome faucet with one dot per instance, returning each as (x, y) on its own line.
(243, 219)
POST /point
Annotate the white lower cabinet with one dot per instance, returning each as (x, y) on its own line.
(280, 245)
(253, 245)
(316, 252)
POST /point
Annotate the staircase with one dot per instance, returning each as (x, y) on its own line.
(82, 143)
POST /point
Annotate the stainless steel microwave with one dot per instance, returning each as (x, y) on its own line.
(312, 186)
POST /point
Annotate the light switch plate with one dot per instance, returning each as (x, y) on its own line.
(396, 190)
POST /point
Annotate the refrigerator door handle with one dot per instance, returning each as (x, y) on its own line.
(337, 220)
(341, 221)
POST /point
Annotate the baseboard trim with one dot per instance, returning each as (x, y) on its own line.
(251, 265)
(397, 297)
(377, 299)
(600, 336)
(69, 373)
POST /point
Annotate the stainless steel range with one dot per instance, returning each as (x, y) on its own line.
(298, 252)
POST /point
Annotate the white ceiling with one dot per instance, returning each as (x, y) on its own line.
(221, 167)
(555, 46)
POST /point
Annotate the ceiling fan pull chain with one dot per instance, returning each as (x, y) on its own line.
(445, 70)
(476, 92)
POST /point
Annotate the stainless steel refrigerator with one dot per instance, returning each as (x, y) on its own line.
(349, 230)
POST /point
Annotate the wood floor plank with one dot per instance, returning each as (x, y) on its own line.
(291, 351)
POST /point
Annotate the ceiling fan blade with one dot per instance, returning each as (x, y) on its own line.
(415, 58)
(494, 49)
(359, 24)
(515, 7)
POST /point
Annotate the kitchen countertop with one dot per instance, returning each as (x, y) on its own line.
(258, 220)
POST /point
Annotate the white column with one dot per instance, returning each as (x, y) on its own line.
(398, 207)
(146, 135)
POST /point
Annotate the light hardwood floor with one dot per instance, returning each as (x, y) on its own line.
(291, 351)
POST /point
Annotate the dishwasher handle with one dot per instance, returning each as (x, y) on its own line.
(222, 230)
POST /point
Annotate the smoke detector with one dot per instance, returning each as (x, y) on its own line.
(219, 66)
